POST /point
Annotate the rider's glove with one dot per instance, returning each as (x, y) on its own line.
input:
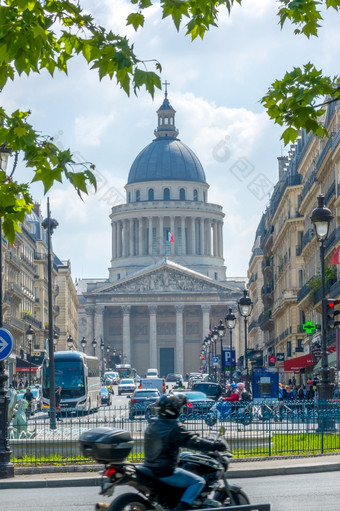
(219, 446)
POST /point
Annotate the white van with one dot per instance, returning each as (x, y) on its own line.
(152, 373)
(153, 383)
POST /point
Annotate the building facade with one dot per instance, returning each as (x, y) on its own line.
(291, 296)
(167, 281)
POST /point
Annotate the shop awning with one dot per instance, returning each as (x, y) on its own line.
(295, 364)
(24, 366)
(332, 361)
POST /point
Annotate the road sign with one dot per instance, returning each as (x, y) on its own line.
(6, 343)
(215, 360)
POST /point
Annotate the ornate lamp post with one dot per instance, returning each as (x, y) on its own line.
(221, 331)
(6, 467)
(70, 342)
(321, 218)
(94, 345)
(29, 337)
(245, 306)
(50, 224)
(214, 334)
(230, 321)
(83, 343)
(102, 346)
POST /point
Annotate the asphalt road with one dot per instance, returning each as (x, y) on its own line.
(305, 492)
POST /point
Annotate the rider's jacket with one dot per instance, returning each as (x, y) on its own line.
(163, 438)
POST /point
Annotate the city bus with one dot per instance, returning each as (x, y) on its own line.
(126, 371)
(78, 375)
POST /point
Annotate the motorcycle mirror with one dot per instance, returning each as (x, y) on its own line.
(222, 430)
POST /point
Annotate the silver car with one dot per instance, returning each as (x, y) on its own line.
(127, 386)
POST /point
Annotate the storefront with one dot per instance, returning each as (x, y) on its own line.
(299, 369)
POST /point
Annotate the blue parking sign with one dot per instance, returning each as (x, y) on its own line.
(6, 343)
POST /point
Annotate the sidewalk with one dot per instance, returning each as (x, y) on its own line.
(43, 477)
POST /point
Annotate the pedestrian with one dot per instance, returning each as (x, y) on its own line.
(57, 403)
(229, 390)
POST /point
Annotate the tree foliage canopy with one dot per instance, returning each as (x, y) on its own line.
(46, 34)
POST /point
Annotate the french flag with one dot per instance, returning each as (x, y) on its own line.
(336, 256)
(171, 237)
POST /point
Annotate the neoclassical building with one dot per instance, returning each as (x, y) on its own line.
(167, 279)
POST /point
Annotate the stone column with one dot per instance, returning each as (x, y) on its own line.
(172, 230)
(125, 238)
(205, 319)
(98, 324)
(161, 236)
(114, 240)
(215, 239)
(179, 368)
(150, 235)
(183, 234)
(90, 324)
(202, 251)
(209, 252)
(126, 332)
(221, 238)
(140, 236)
(120, 238)
(153, 336)
(132, 237)
(193, 236)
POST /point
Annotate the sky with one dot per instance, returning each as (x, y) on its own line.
(215, 87)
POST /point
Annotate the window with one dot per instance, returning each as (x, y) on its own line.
(215, 275)
(151, 194)
(129, 197)
(289, 349)
(137, 195)
(182, 194)
(204, 197)
(166, 120)
(166, 194)
(195, 195)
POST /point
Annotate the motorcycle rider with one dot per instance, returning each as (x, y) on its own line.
(163, 438)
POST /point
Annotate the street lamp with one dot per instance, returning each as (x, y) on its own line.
(50, 224)
(70, 342)
(83, 343)
(102, 346)
(214, 334)
(245, 306)
(6, 467)
(321, 218)
(230, 321)
(29, 337)
(221, 331)
(94, 345)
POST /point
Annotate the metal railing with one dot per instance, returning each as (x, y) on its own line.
(253, 429)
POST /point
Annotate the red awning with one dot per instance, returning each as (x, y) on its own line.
(295, 364)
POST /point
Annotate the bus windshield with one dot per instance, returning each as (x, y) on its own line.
(69, 374)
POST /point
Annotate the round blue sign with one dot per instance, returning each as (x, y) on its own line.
(6, 343)
(215, 360)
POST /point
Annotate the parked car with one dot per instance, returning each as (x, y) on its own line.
(212, 390)
(198, 404)
(126, 385)
(106, 396)
(141, 399)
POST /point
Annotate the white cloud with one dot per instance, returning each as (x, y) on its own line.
(89, 129)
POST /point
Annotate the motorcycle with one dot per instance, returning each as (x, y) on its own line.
(153, 493)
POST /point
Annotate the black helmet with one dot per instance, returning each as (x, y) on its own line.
(169, 406)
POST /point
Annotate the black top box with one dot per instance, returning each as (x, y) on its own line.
(106, 444)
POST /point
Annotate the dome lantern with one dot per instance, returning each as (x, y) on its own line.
(166, 118)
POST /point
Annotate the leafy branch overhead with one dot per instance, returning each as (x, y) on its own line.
(45, 35)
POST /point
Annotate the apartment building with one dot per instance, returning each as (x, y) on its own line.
(291, 293)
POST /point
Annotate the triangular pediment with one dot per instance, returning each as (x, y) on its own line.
(167, 277)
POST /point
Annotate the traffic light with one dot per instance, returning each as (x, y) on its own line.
(332, 313)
